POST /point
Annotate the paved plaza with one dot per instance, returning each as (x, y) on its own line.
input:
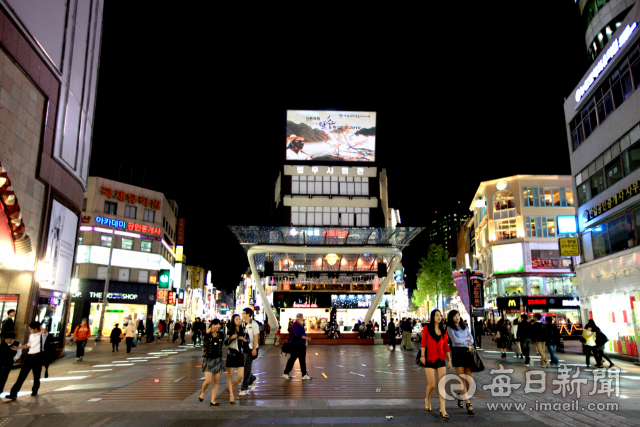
(158, 385)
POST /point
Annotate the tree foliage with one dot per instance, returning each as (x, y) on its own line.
(435, 278)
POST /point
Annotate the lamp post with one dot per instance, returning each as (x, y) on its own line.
(104, 294)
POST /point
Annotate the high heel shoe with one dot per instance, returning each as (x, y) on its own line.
(233, 402)
(200, 398)
(459, 403)
(214, 404)
(443, 415)
(427, 406)
(469, 411)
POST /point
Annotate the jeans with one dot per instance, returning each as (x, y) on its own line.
(525, 344)
(540, 349)
(299, 352)
(129, 343)
(80, 348)
(592, 350)
(552, 354)
(248, 378)
(33, 363)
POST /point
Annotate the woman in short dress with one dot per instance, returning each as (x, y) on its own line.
(501, 341)
(235, 358)
(212, 364)
(434, 352)
(461, 353)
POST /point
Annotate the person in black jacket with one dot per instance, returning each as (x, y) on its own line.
(553, 338)
(391, 331)
(8, 324)
(8, 356)
(524, 335)
(115, 338)
(538, 337)
(601, 340)
(212, 364)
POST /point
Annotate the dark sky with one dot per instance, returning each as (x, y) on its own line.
(197, 100)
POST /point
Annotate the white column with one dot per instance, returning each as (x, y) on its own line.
(382, 288)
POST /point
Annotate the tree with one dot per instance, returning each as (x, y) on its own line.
(435, 277)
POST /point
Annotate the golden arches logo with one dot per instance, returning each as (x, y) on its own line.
(512, 303)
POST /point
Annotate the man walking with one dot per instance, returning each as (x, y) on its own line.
(391, 331)
(251, 350)
(553, 338)
(524, 335)
(539, 336)
(80, 336)
(33, 362)
(298, 337)
(406, 333)
(8, 324)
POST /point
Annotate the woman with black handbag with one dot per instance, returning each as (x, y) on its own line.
(461, 352)
(433, 353)
(601, 340)
(235, 358)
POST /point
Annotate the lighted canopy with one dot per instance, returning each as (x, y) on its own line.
(351, 252)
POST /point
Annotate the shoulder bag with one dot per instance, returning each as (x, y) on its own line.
(476, 364)
(419, 355)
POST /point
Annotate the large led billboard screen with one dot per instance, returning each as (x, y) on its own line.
(507, 258)
(347, 136)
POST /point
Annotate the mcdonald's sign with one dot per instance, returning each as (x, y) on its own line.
(512, 303)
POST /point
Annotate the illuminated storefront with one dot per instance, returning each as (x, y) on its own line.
(126, 300)
(617, 315)
(565, 310)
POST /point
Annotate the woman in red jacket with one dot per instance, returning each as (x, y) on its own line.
(434, 343)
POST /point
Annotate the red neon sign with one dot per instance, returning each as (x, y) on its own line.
(537, 302)
(143, 228)
(171, 297)
(335, 233)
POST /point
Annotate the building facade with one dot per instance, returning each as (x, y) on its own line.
(602, 118)
(517, 222)
(49, 60)
(128, 234)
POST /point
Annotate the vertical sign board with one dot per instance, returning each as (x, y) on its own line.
(180, 235)
(61, 243)
(195, 277)
(477, 293)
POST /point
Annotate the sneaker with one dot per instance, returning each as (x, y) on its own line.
(287, 376)
(77, 359)
(244, 392)
(307, 377)
(548, 365)
(254, 384)
(81, 357)
(526, 364)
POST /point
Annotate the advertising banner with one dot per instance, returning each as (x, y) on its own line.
(195, 277)
(477, 294)
(462, 286)
(61, 242)
(346, 136)
(550, 263)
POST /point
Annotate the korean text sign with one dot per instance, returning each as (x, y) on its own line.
(346, 136)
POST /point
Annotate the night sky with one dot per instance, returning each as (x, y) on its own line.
(196, 102)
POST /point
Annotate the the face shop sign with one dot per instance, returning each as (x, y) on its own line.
(98, 295)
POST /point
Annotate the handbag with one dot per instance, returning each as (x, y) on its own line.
(286, 348)
(419, 355)
(476, 364)
(497, 336)
(121, 336)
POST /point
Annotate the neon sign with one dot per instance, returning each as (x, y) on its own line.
(305, 305)
(537, 302)
(609, 54)
(128, 225)
(570, 303)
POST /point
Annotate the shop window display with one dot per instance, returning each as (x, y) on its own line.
(115, 313)
(614, 314)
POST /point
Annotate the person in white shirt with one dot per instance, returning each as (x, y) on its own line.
(253, 331)
(33, 362)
